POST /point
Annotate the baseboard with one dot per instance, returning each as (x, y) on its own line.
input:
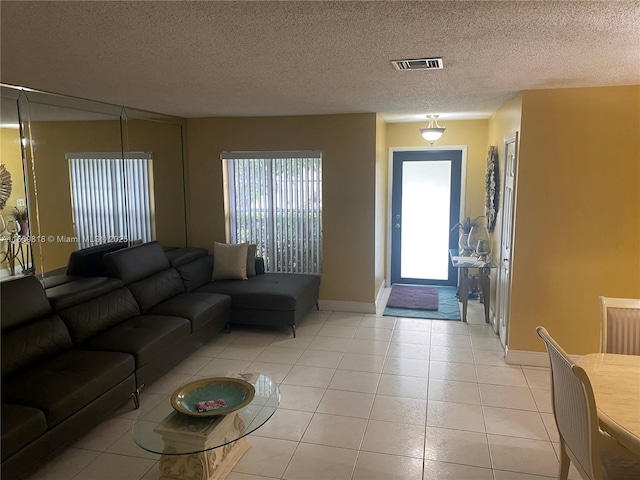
(493, 320)
(523, 357)
(339, 306)
(380, 293)
(531, 359)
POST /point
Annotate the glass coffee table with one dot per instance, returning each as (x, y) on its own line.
(204, 448)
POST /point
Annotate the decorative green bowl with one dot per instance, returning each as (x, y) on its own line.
(235, 392)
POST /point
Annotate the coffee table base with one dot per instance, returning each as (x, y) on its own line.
(213, 464)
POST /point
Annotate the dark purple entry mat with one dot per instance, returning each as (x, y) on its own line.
(405, 296)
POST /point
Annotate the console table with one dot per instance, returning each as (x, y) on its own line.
(463, 263)
(204, 448)
(18, 250)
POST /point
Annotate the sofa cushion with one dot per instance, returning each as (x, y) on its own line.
(33, 343)
(28, 302)
(146, 337)
(270, 291)
(89, 262)
(230, 261)
(135, 263)
(180, 256)
(98, 314)
(20, 426)
(67, 382)
(197, 273)
(199, 308)
(251, 260)
(157, 288)
(80, 290)
(260, 266)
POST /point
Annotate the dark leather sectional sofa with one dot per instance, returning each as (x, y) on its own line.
(76, 351)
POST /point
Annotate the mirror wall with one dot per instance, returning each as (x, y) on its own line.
(13, 188)
(92, 173)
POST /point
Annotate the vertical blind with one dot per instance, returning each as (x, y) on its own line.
(275, 201)
(111, 197)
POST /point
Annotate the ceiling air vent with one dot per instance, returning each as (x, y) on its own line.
(418, 64)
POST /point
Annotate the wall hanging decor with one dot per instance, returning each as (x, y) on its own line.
(5, 186)
(491, 197)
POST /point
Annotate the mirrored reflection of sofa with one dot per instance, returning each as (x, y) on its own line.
(85, 262)
(75, 352)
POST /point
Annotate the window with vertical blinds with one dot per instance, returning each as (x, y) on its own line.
(274, 199)
(111, 197)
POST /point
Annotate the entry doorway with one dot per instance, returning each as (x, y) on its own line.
(426, 194)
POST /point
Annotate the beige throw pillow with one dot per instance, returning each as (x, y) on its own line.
(230, 261)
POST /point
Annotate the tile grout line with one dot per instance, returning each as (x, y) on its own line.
(237, 341)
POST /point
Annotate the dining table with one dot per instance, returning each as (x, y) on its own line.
(615, 380)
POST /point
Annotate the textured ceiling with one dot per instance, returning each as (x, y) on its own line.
(255, 58)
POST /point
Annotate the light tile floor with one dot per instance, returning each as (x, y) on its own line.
(364, 397)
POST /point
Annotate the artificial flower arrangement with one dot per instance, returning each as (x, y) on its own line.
(467, 224)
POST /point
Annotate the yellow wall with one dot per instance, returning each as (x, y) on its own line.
(348, 145)
(11, 158)
(472, 133)
(577, 231)
(382, 178)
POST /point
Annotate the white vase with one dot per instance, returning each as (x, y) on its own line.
(479, 242)
(463, 244)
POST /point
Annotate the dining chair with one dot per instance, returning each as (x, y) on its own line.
(594, 454)
(620, 325)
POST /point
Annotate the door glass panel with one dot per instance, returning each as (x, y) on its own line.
(426, 194)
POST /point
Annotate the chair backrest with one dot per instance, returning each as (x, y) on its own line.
(620, 325)
(574, 409)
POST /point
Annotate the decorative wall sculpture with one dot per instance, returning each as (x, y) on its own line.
(5, 186)
(492, 179)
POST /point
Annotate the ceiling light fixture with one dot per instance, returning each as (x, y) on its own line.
(434, 131)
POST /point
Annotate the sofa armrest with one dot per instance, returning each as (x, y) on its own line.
(259, 265)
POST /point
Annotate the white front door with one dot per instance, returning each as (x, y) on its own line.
(503, 292)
